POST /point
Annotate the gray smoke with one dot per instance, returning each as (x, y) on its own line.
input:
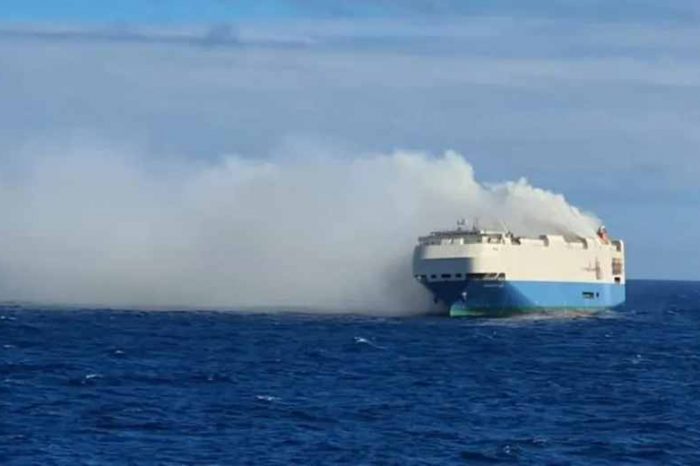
(95, 226)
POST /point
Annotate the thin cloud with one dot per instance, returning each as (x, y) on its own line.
(218, 35)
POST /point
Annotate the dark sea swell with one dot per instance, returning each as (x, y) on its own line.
(130, 387)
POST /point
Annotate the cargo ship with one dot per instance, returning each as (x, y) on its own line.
(477, 272)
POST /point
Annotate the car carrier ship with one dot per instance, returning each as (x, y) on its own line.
(479, 272)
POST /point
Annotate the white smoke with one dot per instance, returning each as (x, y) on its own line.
(97, 227)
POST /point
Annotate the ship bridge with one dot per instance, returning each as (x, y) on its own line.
(460, 236)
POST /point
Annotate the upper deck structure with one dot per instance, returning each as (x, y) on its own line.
(477, 271)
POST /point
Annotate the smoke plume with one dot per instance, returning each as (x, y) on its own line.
(101, 228)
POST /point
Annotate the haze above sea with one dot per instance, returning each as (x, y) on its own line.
(99, 386)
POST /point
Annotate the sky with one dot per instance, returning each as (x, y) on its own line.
(188, 11)
(595, 100)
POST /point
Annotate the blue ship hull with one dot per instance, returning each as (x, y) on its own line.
(492, 297)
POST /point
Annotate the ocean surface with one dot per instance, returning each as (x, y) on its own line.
(100, 386)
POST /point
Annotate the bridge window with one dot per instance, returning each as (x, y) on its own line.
(486, 276)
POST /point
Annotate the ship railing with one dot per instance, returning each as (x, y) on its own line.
(463, 237)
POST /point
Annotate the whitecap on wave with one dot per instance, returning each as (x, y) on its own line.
(556, 316)
(365, 341)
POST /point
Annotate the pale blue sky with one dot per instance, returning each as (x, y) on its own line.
(595, 99)
(163, 11)
(139, 10)
(188, 11)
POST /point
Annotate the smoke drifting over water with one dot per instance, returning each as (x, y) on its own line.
(97, 227)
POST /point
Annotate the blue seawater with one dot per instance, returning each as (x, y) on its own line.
(127, 387)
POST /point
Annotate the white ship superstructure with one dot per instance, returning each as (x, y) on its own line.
(484, 271)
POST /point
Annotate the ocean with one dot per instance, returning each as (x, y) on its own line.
(103, 386)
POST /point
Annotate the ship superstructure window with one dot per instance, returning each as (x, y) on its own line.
(486, 276)
(458, 275)
(617, 266)
(588, 295)
(446, 275)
